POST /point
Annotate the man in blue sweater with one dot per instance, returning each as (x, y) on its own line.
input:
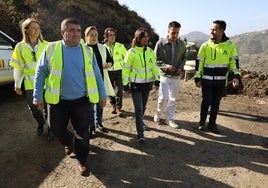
(72, 80)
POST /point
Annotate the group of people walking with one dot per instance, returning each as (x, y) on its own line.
(70, 79)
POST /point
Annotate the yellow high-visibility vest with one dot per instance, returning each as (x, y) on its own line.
(215, 60)
(55, 61)
(23, 58)
(140, 66)
(118, 53)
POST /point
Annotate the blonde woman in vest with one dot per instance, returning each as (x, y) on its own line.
(73, 82)
(24, 60)
(105, 61)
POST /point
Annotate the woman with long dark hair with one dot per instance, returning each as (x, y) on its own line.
(139, 72)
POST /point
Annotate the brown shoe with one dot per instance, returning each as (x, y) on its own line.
(82, 169)
(68, 150)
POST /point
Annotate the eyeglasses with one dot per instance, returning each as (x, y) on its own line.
(34, 56)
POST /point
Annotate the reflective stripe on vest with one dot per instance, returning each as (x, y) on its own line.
(141, 80)
(206, 77)
(216, 65)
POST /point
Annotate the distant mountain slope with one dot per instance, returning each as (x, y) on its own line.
(253, 50)
(252, 43)
(196, 36)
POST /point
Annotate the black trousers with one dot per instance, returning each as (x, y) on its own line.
(37, 114)
(116, 80)
(211, 96)
(77, 111)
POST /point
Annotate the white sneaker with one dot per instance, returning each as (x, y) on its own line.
(156, 118)
(172, 123)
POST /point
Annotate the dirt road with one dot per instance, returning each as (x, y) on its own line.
(168, 158)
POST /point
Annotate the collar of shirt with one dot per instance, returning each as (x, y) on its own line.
(35, 47)
(66, 46)
(166, 41)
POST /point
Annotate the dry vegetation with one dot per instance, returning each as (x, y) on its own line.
(102, 14)
(254, 84)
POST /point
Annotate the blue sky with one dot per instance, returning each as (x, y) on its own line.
(241, 16)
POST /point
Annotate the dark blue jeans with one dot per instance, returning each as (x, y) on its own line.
(78, 112)
(140, 99)
(95, 117)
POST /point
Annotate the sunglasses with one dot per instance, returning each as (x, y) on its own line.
(34, 56)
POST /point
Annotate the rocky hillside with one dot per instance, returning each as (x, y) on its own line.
(102, 14)
(253, 50)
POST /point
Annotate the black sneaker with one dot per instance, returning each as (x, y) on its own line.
(120, 113)
(145, 127)
(39, 130)
(92, 130)
(90, 134)
(114, 111)
(140, 137)
(201, 128)
(50, 135)
(209, 110)
(213, 128)
(99, 126)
